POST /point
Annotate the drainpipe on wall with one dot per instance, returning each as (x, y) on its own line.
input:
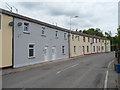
(105, 46)
(11, 24)
(13, 43)
(69, 44)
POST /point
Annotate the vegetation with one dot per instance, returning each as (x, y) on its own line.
(93, 31)
(115, 40)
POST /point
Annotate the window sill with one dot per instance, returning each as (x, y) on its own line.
(26, 32)
(31, 57)
(43, 35)
(65, 39)
(63, 54)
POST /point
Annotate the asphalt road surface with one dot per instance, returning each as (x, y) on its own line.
(83, 72)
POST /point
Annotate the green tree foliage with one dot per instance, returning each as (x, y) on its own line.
(119, 38)
(93, 31)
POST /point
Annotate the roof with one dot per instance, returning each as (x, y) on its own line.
(15, 15)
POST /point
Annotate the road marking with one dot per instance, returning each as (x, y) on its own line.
(110, 63)
(67, 68)
(106, 80)
(107, 73)
(74, 65)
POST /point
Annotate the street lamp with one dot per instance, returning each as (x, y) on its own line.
(71, 18)
(70, 33)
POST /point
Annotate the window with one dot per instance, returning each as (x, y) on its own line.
(74, 49)
(31, 52)
(83, 39)
(99, 40)
(87, 48)
(97, 48)
(65, 36)
(78, 38)
(88, 39)
(56, 34)
(94, 48)
(0, 21)
(103, 41)
(26, 27)
(93, 40)
(73, 37)
(102, 48)
(96, 40)
(43, 32)
(63, 49)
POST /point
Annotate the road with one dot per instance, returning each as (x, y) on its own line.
(83, 72)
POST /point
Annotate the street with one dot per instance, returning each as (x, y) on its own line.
(83, 72)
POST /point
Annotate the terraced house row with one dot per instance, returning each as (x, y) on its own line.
(25, 41)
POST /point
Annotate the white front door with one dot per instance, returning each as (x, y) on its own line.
(46, 53)
(53, 53)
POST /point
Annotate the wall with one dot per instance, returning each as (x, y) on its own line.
(0, 42)
(103, 45)
(21, 41)
(108, 48)
(75, 40)
(80, 43)
(6, 41)
(85, 44)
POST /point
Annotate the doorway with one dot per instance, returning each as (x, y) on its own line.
(46, 53)
(53, 52)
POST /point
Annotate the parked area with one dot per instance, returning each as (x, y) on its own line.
(26, 41)
(81, 72)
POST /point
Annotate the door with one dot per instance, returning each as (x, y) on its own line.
(53, 53)
(83, 50)
(46, 53)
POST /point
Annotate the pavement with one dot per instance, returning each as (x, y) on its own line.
(91, 71)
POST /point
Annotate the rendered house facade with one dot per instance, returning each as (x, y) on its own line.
(75, 45)
(26, 41)
(35, 43)
(107, 46)
(83, 44)
(5, 40)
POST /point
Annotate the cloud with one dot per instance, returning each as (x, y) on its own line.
(91, 14)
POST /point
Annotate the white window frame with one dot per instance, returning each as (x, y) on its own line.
(75, 49)
(63, 49)
(28, 27)
(73, 37)
(56, 34)
(65, 36)
(43, 29)
(78, 38)
(33, 50)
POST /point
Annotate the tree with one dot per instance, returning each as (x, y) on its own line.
(118, 34)
(93, 31)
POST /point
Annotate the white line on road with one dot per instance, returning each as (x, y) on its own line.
(66, 68)
(107, 73)
(106, 80)
(110, 63)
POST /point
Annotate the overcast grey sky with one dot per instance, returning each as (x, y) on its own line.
(103, 15)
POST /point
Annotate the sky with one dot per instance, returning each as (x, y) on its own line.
(94, 14)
